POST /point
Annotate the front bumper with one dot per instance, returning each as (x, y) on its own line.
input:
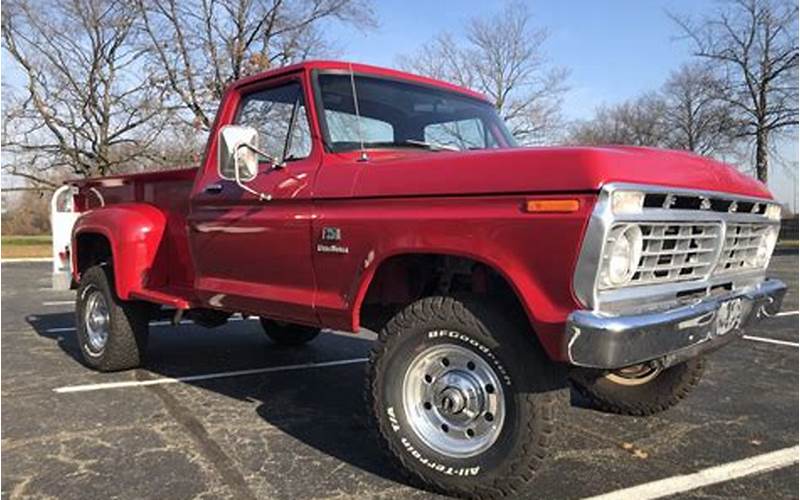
(668, 337)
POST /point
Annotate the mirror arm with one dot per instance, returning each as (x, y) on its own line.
(274, 163)
(238, 177)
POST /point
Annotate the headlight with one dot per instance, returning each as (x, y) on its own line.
(774, 212)
(766, 245)
(622, 255)
(627, 202)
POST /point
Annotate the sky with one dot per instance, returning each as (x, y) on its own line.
(614, 49)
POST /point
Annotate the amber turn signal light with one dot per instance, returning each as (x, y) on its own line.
(552, 206)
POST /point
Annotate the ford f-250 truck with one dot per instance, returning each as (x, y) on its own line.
(346, 196)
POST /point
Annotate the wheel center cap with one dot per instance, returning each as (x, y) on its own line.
(452, 401)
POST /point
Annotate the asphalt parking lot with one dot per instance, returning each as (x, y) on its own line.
(286, 429)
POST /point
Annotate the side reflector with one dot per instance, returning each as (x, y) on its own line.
(552, 206)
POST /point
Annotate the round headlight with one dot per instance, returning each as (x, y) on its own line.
(623, 254)
(766, 245)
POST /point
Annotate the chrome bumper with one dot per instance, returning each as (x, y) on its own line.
(668, 337)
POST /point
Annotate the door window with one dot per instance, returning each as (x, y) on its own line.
(279, 116)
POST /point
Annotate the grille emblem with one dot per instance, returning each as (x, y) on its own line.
(705, 203)
(669, 201)
(733, 206)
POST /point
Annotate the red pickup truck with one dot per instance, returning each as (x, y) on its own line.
(345, 196)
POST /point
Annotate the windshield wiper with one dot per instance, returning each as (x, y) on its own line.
(431, 145)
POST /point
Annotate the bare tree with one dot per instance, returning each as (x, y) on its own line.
(696, 114)
(87, 106)
(753, 44)
(198, 47)
(637, 122)
(503, 58)
(689, 112)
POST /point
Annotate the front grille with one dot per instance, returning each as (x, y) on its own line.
(676, 251)
(740, 247)
(676, 201)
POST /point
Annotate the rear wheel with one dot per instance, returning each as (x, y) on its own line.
(287, 334)
(641, 389)
(112, 333)
(463, 396)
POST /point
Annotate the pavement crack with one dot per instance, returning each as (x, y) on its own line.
(208, 448)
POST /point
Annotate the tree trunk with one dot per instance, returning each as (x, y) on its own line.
(762, 167)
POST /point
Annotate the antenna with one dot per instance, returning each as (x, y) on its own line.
(364, 156)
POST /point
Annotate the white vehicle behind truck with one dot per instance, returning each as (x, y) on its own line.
(62, 219)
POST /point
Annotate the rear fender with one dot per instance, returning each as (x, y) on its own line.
(135, 234)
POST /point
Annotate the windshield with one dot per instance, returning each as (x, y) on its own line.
(395, 114)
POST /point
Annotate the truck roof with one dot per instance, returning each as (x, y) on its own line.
(357, 68)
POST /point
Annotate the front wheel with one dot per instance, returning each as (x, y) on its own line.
(463, 397)
(639, 390)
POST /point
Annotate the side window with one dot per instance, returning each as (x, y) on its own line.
(344, 127)
(463, 134)
(279, 116)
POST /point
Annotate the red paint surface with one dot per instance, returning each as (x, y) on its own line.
(175, 244)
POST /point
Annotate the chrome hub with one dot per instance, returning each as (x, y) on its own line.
(453, 400)
(96, 319)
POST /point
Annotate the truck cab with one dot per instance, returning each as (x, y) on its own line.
(344, 196)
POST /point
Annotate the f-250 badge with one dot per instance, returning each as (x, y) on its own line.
(331, 234)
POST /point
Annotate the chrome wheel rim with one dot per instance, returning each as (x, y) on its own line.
(634, 375)
(96, 319)
(453, 401)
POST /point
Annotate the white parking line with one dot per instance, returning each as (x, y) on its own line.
(27, 259)
(788, 313)
(59, 303)
(770, 341)
(153, 323)
(207, 376)
(60, 330)
(712, 475)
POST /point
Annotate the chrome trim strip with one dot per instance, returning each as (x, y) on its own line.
(601, 220)
(658, 189)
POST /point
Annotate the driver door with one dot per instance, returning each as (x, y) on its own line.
(251, 255)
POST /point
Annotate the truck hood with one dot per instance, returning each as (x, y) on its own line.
(555, 170)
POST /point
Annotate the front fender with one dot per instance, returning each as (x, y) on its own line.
(534, 252)
(134, 232)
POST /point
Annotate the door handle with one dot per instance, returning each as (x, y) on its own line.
(215, 188)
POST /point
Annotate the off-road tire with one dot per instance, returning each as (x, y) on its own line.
(287, 334)
(666, 390)
(128, 321)
(533, 390)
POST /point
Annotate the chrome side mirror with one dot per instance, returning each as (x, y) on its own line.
(237, 153)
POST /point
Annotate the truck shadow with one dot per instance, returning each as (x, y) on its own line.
(320, 407)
